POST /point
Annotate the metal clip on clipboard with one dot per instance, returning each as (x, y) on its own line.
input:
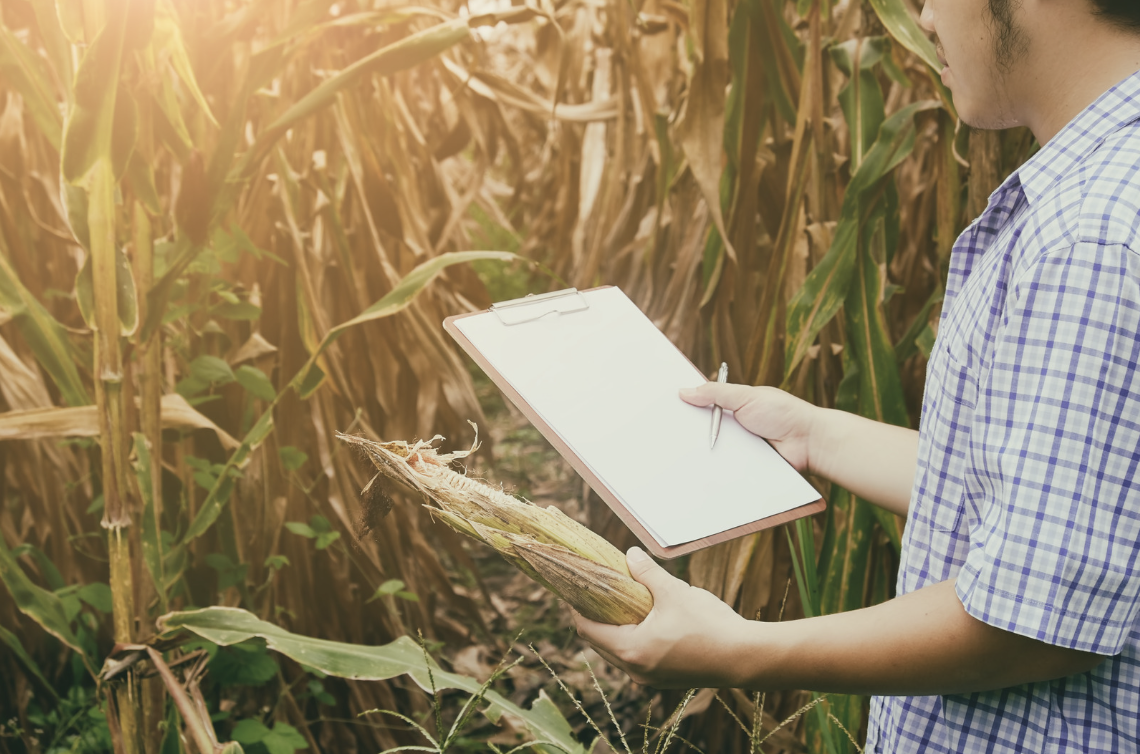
(532, 307)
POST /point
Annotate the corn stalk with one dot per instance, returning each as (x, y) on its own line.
(218, 185)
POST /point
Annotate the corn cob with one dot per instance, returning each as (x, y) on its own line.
(544, 543)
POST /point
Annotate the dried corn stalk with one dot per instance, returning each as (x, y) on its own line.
(544, 543)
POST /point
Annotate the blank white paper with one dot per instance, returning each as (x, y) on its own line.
(606, 380)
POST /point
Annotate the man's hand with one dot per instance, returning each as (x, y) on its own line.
(876, 461)
(690, 639)
(778, 417)
(922, 643)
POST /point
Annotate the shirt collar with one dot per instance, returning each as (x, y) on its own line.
(1113, 110)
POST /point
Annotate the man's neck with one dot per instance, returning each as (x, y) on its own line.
(1068, 67)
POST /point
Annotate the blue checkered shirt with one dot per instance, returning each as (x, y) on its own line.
(1027, 492)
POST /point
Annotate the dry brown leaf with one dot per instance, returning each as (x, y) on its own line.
(22, 387)
(253, 349)
(83, 421)
(701, 129)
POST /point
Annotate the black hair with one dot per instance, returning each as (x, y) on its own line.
(1124, 14)
(1010, 42)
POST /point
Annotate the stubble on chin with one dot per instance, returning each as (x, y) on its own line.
(989, 107)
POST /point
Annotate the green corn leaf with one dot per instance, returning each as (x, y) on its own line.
(97, 112)
(781, 70)
(825, 288)
(396, 299)
(807, 575)
(910, 343)
(24, 71)
(183, 254)
(126, 293)
(74, 200)
(151, 530)
(224, 176)
(227, 626)
(38, 604)
(43, 333)
(846, 551)
(850, 525)
(168, 37)
(141, 177)
(221, 489)
(924, 341)
(71, 20)
(398, 56)
(125, 131)
(47, 568)
(861, 98)
(902, 26)
(880, 386)
(55, 43)
(168, 122)
(13, 643)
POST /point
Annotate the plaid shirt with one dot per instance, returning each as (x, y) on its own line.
(1027, 491)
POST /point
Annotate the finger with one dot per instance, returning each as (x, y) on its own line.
(599, 633)
(645, 570)
(611, 659)
(729, 396)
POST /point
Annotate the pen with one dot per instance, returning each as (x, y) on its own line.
(717, 412)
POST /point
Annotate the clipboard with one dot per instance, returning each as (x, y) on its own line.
(530, 312)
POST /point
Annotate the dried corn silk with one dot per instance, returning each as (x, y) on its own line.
(553, 549)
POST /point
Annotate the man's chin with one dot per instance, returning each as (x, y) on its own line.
(982, 118)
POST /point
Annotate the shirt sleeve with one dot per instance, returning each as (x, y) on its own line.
(1055, 548)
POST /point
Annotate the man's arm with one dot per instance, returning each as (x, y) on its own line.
(870, 459)
(873, 460)
(921, 643)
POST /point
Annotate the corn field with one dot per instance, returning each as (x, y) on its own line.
(230, 229)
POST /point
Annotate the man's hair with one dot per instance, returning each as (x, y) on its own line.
(1010, 42)
(1124, 14)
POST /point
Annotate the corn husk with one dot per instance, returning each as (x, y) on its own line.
(544, 543)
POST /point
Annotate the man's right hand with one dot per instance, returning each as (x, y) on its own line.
(778, 417)
(873, 460)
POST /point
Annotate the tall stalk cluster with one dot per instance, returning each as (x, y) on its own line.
(228, 229)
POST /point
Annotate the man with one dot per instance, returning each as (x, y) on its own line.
(1016, 626)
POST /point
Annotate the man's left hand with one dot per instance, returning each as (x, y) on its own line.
(688, 640)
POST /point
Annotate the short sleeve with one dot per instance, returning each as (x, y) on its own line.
(1055, 547)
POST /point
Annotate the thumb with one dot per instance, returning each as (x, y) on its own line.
(646, 571)
(728, 396)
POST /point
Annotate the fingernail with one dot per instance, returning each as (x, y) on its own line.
(636, 555)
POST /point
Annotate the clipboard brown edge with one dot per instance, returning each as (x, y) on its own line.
(623, 513)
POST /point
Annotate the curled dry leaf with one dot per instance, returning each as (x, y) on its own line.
(83, 421)
(544, 543)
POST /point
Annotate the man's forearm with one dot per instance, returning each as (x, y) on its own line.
(922, 643)
(873, 460)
